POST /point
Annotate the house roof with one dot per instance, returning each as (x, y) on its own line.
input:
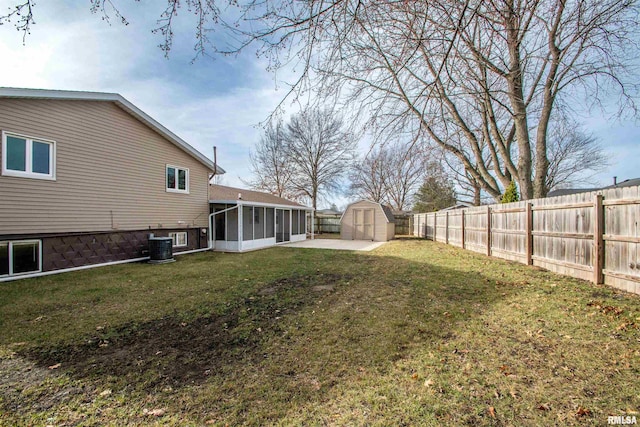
(566, 191)
(626, 183)
(224, 194)
(328, 212)
(120, 101)
(388, 213)
(459, 205)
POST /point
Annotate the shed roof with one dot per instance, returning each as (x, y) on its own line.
(120, 101)
(222, 193)
(388, 213)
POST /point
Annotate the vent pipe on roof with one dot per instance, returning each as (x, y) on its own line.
(215, 160)
(215, 166)
(615, 180)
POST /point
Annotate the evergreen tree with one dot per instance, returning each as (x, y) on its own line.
(510, 193)
(434, 194)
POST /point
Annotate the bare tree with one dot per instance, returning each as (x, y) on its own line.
(480, 78)
(318, 151)
(389, 174)
(468, 189)
(270, 169)
(405, 169)
(367, 176)
(574, 157)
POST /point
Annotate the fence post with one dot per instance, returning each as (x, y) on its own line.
(435, 226)
(446, 227)
(462, 227)
(529, 225)
(423, 227)
(598, 242)
(488, 230)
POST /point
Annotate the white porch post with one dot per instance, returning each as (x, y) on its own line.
(212, 229)
(253, 223)
(240, 227)
(313, 224)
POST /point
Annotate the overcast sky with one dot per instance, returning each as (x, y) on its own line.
(207, 102)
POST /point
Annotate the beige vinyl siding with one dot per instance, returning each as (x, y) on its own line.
(110, 172)
(391, 230)
(381, 229)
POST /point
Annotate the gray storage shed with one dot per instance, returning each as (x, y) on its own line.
(367, 220)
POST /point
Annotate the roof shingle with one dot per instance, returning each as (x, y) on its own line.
(224, 193)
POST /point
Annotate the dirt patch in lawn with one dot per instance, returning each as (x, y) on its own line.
(173, 352)
(25, 386)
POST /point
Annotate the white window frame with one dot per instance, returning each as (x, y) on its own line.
(10, 244)
(51, 176)
(176, 239)
(166, 183)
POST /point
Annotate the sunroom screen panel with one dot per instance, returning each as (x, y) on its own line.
(270, 222)
(247, 223)
(232, 225)
(258, 218)
(295, 215)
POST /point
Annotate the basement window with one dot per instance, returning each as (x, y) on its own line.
(179, 239)
(20, 257)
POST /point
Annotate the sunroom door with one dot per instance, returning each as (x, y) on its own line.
(283, 225)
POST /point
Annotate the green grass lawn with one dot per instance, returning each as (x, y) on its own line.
(413, 333)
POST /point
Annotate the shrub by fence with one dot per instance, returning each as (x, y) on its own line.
(592, 236)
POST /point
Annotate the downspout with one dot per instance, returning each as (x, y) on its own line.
(210, 178)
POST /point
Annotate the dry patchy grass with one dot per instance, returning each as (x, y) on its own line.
(414, 333)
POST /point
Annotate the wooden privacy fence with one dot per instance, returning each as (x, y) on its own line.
(403, 223)
(326, 224)
(592, 236)
(331, 224)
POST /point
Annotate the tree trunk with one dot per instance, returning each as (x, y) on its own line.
(476, 194)
(516, 97)
(314, 197)
(542, 159)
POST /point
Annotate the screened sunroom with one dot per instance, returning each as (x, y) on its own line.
(243, 220)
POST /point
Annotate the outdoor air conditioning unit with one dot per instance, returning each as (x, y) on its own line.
(160, 250)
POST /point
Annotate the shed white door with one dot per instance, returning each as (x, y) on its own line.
(363, 224)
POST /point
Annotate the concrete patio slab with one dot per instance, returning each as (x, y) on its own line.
(336, 244)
